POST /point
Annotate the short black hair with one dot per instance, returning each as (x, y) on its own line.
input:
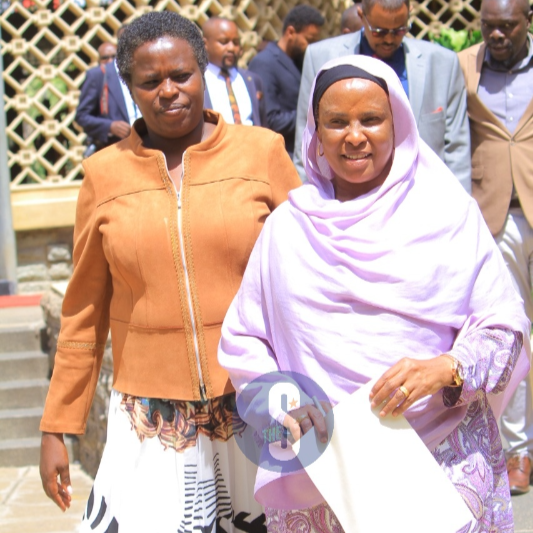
(301, 16)
(152, 26)
(387, 5)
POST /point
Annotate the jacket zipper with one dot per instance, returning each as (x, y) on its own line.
(203, 395)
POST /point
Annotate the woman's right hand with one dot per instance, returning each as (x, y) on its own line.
(54, 463)
(300, 421)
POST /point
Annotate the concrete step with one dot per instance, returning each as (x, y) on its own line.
(22, 394)
(20, 452)
(20, 423)
(23, 366)
(26, 452)
(20, 337)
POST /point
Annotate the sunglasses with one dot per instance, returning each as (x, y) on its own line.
(107, 58)
(380, 33)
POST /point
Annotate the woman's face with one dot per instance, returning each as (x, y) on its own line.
(168, 87)
(355, 128)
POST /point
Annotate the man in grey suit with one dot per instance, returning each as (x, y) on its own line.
(430, 75)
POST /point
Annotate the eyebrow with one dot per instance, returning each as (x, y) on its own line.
(341, 114)
(155, 75)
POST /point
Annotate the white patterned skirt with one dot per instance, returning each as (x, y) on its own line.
(173, 467)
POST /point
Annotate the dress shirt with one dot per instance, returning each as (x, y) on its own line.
(507, 91)
(396, 62)
(131, 106)
(218, 92)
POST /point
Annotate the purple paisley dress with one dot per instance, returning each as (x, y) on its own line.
(472, 455)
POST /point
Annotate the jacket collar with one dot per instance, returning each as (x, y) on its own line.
(139, 131)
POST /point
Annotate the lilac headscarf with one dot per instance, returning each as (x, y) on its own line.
(340, 291)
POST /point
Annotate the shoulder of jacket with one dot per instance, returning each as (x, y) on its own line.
(335, 43)
(471, 51)
(425, 47)
(105, 164)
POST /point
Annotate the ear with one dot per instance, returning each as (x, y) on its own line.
(360, 11)
(290, 31)
(205, 41)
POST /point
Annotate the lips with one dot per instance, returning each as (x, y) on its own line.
(356, 157)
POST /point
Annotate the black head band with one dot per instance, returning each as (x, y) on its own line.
(341, 72)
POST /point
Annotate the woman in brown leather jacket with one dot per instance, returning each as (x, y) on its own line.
(165, 223)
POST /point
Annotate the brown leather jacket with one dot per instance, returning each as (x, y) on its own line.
(161, 272)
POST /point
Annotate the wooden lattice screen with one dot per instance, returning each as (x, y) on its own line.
(47, 45)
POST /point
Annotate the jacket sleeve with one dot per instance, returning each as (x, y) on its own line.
(84, 324)
(457, 136)
(88, 112)
(308, 75)
(279, 120)
(281, 172)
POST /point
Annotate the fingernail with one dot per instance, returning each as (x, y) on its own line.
(373, 404)
(69, 490)
(382, 413)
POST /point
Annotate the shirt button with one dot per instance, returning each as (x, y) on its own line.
(510, 119)
(510, 95)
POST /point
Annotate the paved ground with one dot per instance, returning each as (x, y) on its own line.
(24, 508)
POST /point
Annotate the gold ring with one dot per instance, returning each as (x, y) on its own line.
(301, 418)
(406, 393)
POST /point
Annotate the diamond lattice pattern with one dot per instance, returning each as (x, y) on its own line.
(47, 45)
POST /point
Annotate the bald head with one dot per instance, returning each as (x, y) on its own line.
(222, 42)
(106, 53)
(508, 5)
(350, 20)
(504, 26)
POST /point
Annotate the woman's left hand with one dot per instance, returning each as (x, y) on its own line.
(408, 381)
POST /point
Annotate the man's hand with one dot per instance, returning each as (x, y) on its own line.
(120, 129)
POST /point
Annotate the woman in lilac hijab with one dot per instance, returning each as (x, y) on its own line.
(382, 267)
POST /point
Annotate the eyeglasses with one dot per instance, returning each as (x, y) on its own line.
(107, 58)
(380, 33)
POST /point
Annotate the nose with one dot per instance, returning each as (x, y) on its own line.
(168, 88)
(355, 135)
(230, 46)
(496, 34)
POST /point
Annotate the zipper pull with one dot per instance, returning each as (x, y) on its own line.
(203, 394)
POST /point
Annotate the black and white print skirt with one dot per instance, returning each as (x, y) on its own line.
(173, 467)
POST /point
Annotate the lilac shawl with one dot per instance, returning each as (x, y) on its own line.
(342, 291)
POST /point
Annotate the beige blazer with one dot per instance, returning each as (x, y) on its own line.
(499, 158)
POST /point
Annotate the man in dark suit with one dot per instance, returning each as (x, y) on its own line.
(105, 110)
(235, 93)
(280, 68)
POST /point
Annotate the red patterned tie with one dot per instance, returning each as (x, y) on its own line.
(231, 96)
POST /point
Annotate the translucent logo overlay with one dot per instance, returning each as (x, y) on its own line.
(264, 405)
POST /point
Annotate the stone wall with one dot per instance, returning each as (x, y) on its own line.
(90, 445)
(44, 257)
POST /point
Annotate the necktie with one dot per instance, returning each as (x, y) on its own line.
(231, 96)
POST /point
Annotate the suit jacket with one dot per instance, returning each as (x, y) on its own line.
(281, 80)
(88, 115)
(499, 158)
(255, 90)
(436, 92)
